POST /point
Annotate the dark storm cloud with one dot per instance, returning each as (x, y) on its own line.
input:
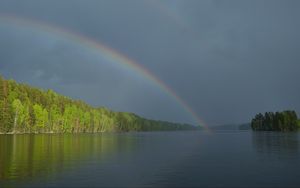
(228, 59)
(79, 73)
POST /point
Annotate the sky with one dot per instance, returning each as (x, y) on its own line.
(227, 60)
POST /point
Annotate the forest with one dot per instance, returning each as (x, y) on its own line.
(279, 121)
(26, 109)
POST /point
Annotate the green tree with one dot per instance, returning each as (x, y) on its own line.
(27, 109)
(19, 114)
(41, 117)
(280, 121)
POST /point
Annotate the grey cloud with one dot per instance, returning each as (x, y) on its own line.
(227, 59)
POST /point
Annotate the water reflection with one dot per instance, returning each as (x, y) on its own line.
(26, 156)
(276, 144)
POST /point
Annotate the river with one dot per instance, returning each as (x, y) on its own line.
(151, 159)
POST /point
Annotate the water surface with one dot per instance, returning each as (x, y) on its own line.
(158, 159)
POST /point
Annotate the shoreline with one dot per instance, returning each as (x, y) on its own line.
(18, 133)
(11, 133)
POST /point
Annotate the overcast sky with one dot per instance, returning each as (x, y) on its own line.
(227, 59)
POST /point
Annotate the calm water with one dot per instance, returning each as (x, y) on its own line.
(162, 159)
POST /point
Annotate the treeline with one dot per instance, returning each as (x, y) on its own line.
(279, 121)
(24, 109)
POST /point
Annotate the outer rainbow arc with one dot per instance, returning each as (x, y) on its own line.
(109, 52)
(157, 4)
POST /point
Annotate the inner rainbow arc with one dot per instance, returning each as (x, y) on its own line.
(109, 53)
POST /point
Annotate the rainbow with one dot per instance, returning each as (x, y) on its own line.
(175, 17)
(172, 15)
(109, 53)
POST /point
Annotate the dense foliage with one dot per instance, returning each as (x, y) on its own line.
(24, 109)
(279, 121)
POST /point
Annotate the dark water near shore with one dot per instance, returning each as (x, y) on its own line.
(158, 159)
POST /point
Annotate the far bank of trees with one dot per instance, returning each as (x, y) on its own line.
(24, 109)
(279, 121)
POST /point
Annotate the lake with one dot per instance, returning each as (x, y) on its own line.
(151, 159)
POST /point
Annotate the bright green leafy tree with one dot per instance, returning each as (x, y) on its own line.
(24, 109)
